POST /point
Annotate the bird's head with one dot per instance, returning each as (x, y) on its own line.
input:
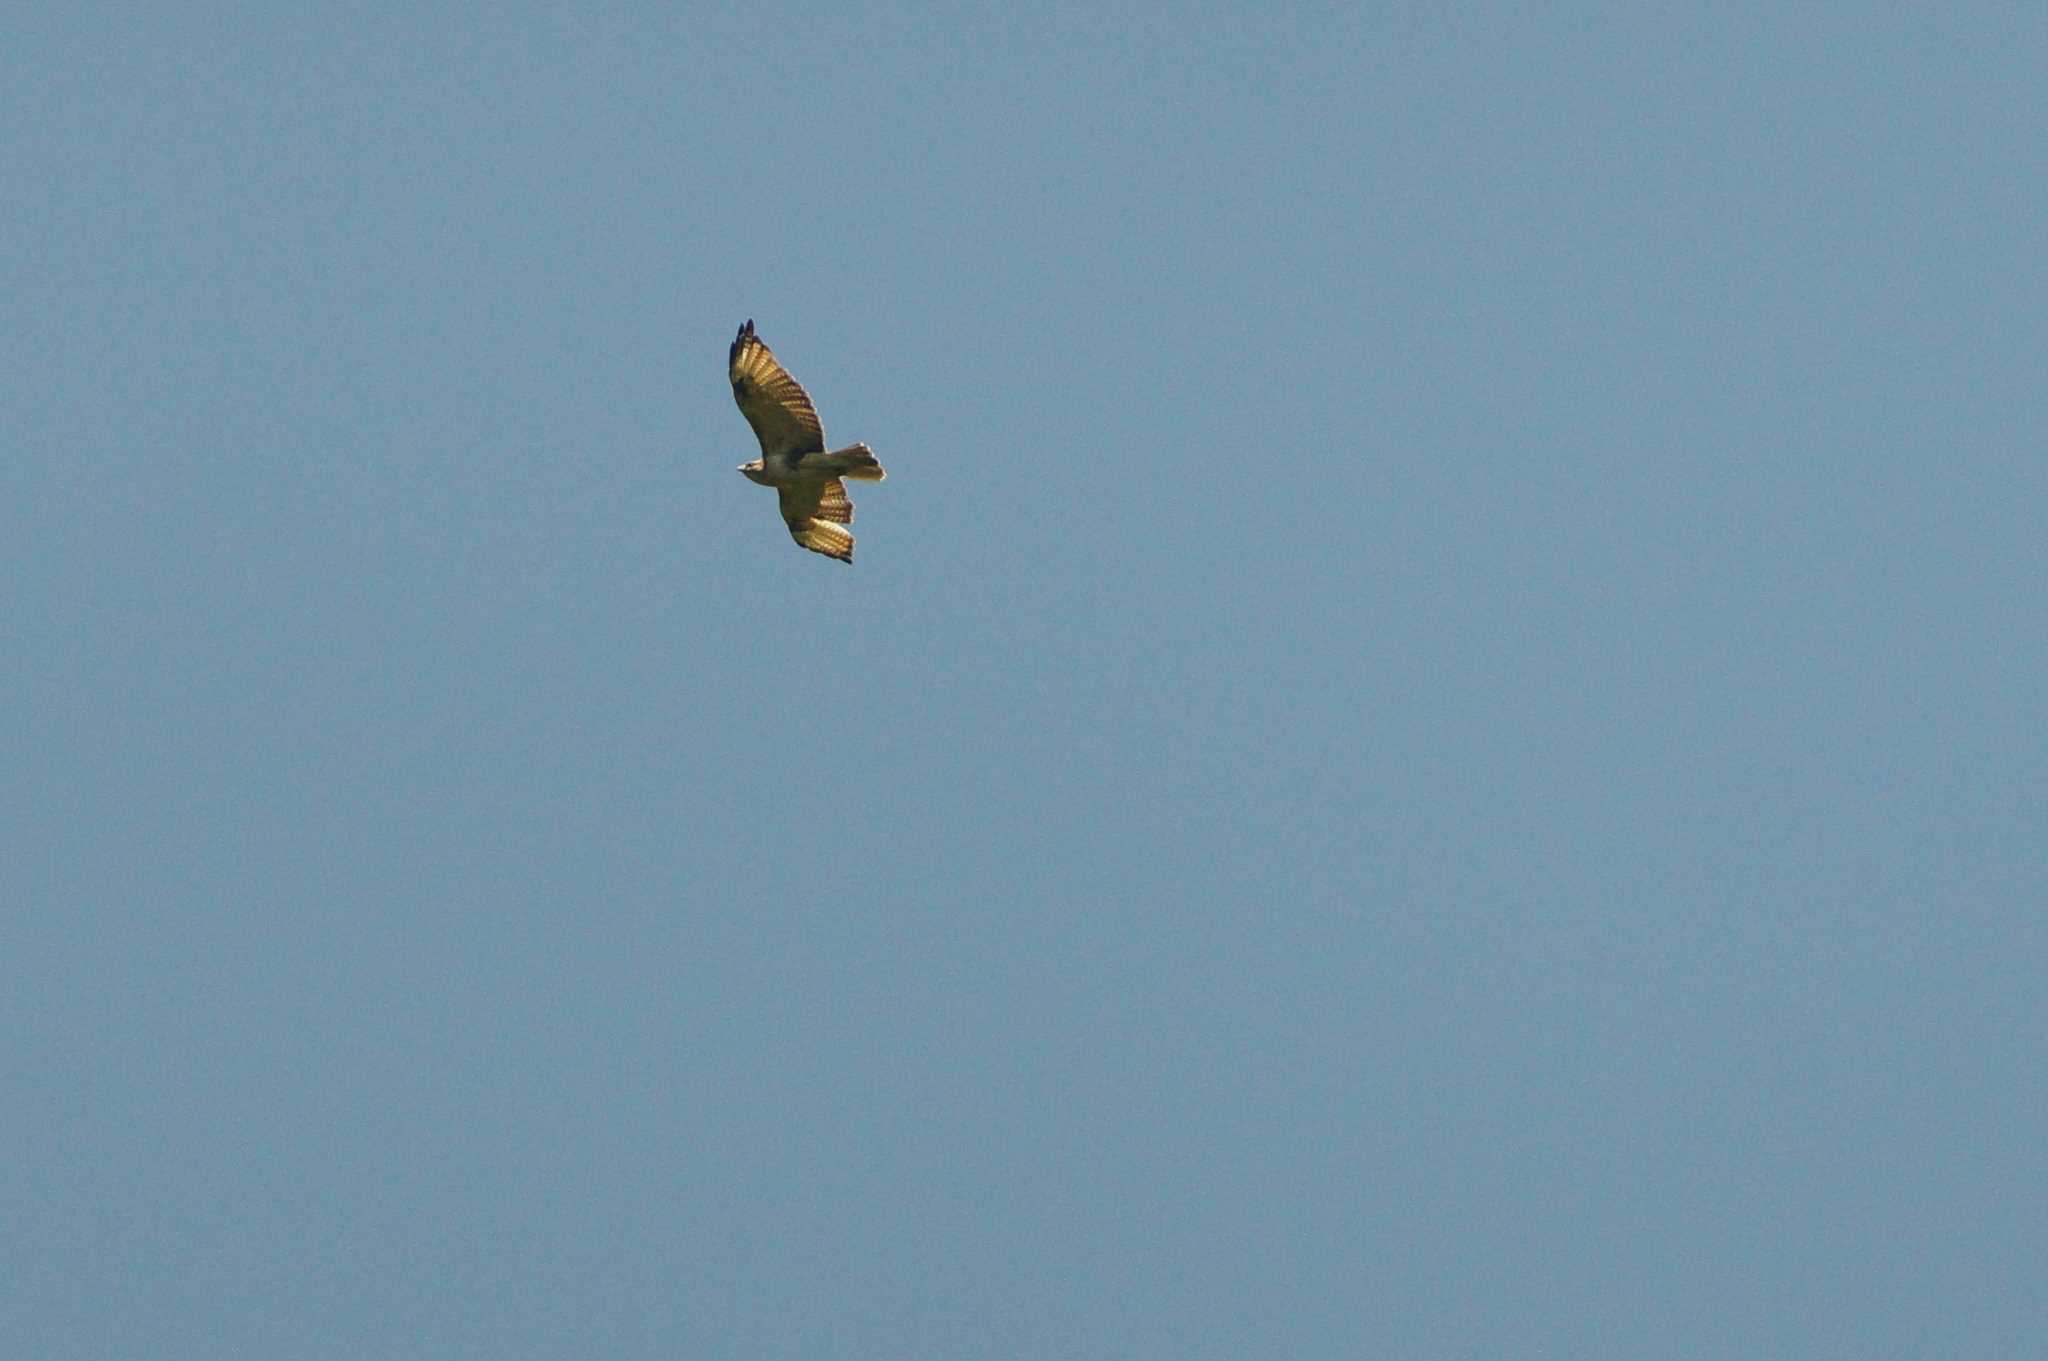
(752, 471)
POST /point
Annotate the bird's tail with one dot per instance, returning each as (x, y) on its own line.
(856, 461)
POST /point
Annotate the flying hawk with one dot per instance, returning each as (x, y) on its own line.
(793, 458)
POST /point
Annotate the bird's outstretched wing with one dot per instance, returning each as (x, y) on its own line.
(817, 513)
(774, 403)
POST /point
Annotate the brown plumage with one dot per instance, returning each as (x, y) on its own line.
(793, 460)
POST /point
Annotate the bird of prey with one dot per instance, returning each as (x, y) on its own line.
(793, 458)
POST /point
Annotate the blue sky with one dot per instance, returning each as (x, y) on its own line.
(1435, 748)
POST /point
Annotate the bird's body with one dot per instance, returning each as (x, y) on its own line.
(807, 480)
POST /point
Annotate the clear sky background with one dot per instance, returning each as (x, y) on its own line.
(1435, 748)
